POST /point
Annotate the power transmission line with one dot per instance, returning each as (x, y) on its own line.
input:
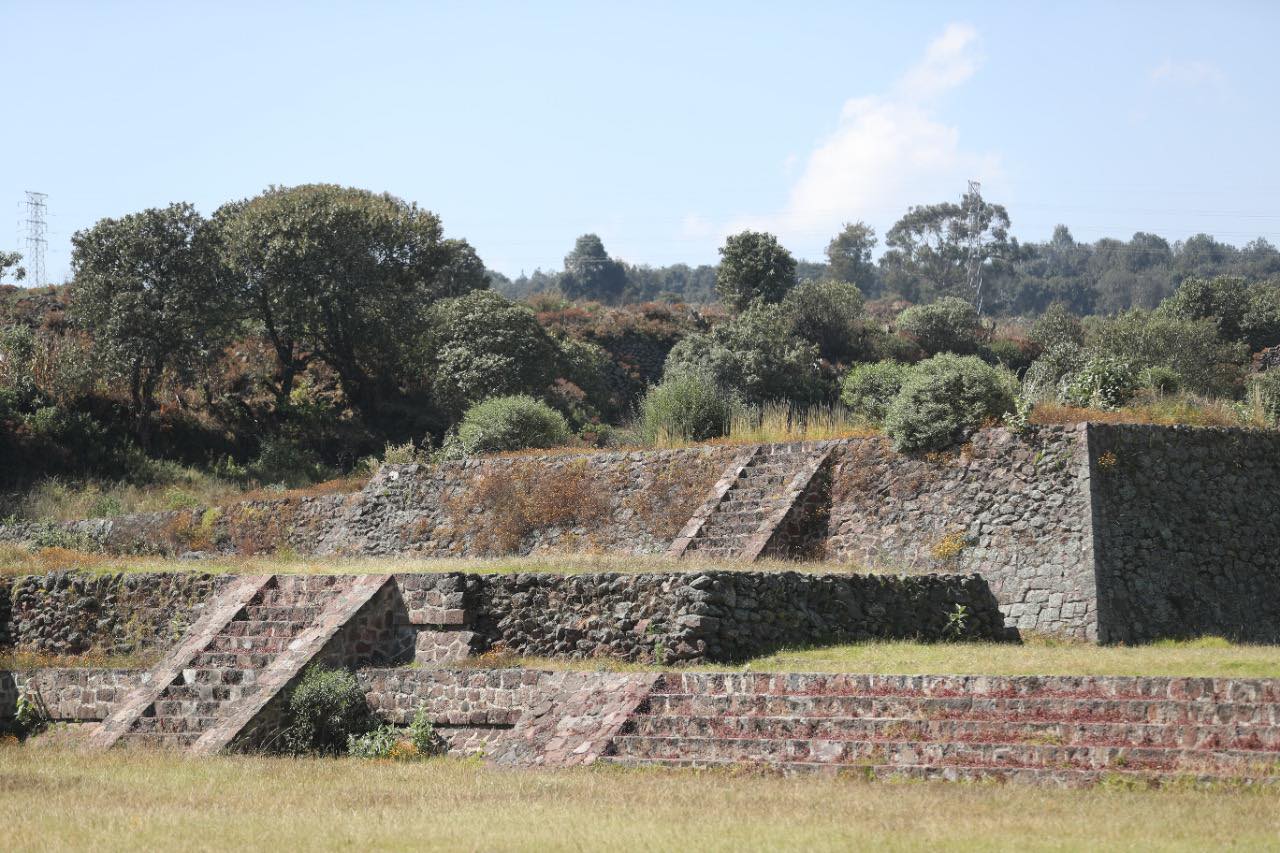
(37, 237)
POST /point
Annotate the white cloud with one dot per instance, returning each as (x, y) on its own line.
(1192, 73)
(889, 151)
(949, 60)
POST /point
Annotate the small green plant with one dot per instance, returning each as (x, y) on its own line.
(868, 389)
(422, 734)
(378, 743)
(687, 407)
(31, 716)
(957, 622)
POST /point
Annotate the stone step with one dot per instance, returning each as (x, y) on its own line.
(1181, 735)
(173, 724)
(184, 708)
(1049, 777)
(251, 628)
(1255, 690)
(205, 692)
(1159, 759)
(257, 643)
(161, 740)
(1044, 709)
(297, 613)
(231, 660)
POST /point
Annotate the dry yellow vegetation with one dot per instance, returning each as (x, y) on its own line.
(54, 799)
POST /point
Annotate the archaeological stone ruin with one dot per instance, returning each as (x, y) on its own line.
(1098, 533)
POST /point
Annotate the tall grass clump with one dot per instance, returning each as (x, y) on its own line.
(776, 423)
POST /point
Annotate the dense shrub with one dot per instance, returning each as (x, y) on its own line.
(1015, 354)
(325, 710)
(688, 407)
(1162, 380)
(754, 355)
(868, 389)
(508, 423)
(948, 325)
(945, 399)
(1190, 348)
(1265, 390)
(283, 461)
(1056, 327)
(830, 315)
(1102, 383)
(1043, 379)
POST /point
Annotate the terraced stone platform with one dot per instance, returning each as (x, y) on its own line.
(1055, 730)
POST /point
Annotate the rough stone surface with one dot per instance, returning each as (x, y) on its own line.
(666, 617)
(1015, 509)
(1188, 532)
(68, 612)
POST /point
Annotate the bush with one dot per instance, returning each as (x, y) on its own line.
(1265, 390)
(1191, 348)
(386, 741)
(326, 709)
(948, 325)
(1016, 355)
(507, 423)
(945, 399)
(689, 407)
(1043, 378)
(1102, 383)
(829, 314)
(868, 389)
(755, 355)
(481, 346)
(1057, 327)
(281, 460)
(1162, 380)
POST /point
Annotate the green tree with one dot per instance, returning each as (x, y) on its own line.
(932, 248)
(483, 345)
(343, 275)
(589, 272)
(754, 268)
(1224, 300)
(849, 255)
(9, 261)
(147, 287)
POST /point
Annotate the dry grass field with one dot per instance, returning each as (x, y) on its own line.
(55, 799)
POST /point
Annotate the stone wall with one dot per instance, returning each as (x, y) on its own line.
(1187, 525)
(70, 612)
(666, 617)
(1015, 509)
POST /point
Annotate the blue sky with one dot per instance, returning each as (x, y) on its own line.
(662, 127)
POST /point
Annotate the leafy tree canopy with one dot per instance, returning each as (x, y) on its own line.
(754, 268)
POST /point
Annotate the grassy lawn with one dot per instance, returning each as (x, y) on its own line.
(58, 799)
(17, 560)
(1209, 657)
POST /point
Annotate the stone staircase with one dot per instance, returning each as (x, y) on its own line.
(1061, 730)
(256, 637)
(751, 501)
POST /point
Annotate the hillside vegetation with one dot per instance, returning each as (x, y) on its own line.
(310, 332)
